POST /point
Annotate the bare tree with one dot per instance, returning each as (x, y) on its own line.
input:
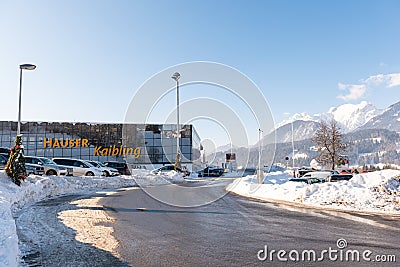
(329, 140)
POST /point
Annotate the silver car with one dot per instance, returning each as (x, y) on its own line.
(30, 168)
(108, 171)
(79, 167)
(50, 167)
(34, 169)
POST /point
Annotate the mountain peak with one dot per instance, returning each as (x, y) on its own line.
(349, 116)
(352, 116)
(297, 117)
(387, 119)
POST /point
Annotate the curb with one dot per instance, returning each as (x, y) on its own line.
(300, 205)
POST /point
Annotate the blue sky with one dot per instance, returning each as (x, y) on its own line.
(92, 56)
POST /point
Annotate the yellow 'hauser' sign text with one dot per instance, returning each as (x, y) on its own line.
(98, 150)
(55, 143)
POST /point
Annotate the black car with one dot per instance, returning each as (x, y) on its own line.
(211, 171)
(5, 150)
(122, 167)
(249, 171)
(308, 180)
(3, 161)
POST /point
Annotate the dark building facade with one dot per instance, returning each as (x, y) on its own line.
(137, 144)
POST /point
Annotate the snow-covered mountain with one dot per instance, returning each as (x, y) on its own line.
(374, 134)
(389, 119)
(348, 116)
(298, 117)
(351, 118)
(302, 129)
(227, 148)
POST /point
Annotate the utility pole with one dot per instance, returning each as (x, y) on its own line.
(260, 173)
(292, 146)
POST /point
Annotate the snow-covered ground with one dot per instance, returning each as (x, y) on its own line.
(376, 192)
(36, 188)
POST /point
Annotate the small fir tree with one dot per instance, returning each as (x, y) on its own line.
(15, 167)
(178, 162)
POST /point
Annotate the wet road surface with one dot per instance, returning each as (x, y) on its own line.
(232, 230)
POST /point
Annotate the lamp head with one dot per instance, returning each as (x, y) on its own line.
(176, 76)
(27, 67)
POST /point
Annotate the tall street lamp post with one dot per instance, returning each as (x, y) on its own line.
(15, 167)
(22, 67)
(176, 77)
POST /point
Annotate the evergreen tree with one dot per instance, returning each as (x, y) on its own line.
(178, 162)
(15, 167)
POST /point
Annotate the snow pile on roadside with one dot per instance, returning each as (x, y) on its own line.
(371, 192)
(145, 178)
(276, 186)
(8, 237)
(36, 188)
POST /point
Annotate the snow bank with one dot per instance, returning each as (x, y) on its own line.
(371, 192)
(36, 188)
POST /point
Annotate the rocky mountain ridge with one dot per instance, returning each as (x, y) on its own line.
(374, 136)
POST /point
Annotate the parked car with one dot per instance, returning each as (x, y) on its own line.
(6, 155)
(139, 167)
(108, 171)
(322, 177)
(122, 167)
(340, 177)
(308, 180)
(248, 171)
(311, 179)
(303, 170)
(317, 177)
(79, 167)
(273, 168)
(3, 162)
(50, 167)
(29, 167)
(5, 150)
(168, 168)
(330, 175)
(34, 169)
(211, 171)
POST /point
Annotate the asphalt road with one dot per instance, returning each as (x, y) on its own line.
(232, 230)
